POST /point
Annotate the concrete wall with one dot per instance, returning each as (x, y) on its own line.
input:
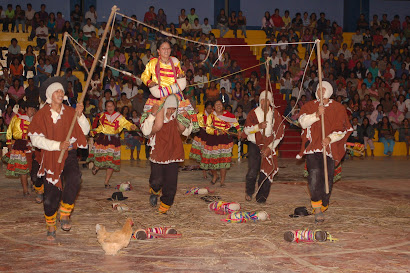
(402, 8)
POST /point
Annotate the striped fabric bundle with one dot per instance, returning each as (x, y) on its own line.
(155, 232)
(222, 207)
(243, 217)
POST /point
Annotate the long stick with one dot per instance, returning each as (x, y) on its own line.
(322, 116)
(62, 51)
(106, 53)
(265, 113)
(95, 62)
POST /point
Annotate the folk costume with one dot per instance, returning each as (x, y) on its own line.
(106, 152)
(266, 167)
(338, 129)
(199, 140)
(46, 131)
(217, 144)
(21, 159)
(168, 83)
(166, 152)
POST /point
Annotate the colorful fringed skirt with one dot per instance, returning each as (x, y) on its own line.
(183, 105)
(197, 146)
(216, 152)
(106, 152)
(20, 159)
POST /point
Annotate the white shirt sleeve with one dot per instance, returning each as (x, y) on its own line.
(251, 130)
(84, 124)
(146, 126)
(307, 120)
(336, 136)
(188, 130)
(43, 143)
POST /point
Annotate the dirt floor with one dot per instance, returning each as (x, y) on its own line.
(369, 215)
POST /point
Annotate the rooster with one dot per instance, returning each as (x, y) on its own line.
(113, 242)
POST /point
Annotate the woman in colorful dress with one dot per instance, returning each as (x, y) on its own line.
(199, 140)
(164, 77)
(106, 152)
(217, 149)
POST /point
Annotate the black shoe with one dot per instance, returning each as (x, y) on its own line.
(153, 200)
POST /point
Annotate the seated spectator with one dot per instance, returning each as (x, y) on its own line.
(368, 135)
(41, 34)
(29, 16)
(16, 91)
(103, 99)
(42, 73)
(51, 24)
(150, 17)
(92, 15)
(386, 135)
(9, 18)
(51, 45)
(362, 24)
(3, 130)
(29, 61)
(16, 71)
(130, 90)
(346, 52)
(76, 16)
(161, 17)
(377, 115)
(267, 24)
(124, 102)
(192, 16)
(240, 115)
(357, 134)
(196, 29)
(286, 20)
(212, 93)
(233, 23)
(395, 117)
(242, 23)
(120, 57)
(222, 23)
(404, 134)
(8, 114)
(246, 103)
(387, 103)
(60, 23)
(139, 102)
(186, 28)
(223, 96)
(3, 92)
(297, 22)
(114, 88)
(32, 92)
(19, 16)
(207, 28)
(88, 28)
(286, 85)
(14, 51)
(182, 17)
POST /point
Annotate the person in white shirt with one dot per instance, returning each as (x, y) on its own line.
(346, 52)
(390, 37)
(41, 34)
(101, 29)
(357, 38)
(29, 15)
(196, 28)
(146, 57)
(92, 15)
(226, 83)
(130, 90)
(200, 79)
(88, 28)
(206, 27)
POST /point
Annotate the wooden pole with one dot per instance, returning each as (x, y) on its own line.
(62, 51)
(106, 53)
(322, 117)
(95, 62)
(265, 113)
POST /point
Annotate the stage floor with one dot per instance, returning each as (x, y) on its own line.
(369, 214)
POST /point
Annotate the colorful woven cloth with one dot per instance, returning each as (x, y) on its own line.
(155, 232)
(222, 207)
(307, 235)
(106, 152)
(355, 149)
(243, 217)
(196, 190)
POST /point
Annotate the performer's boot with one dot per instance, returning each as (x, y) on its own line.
(163, 208)
(65, 212)
(39, 193)
(319, 216)
(51, 226)
(153, 199)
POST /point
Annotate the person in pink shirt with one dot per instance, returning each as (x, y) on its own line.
(118, 56)
(16, 91)
(395, 117)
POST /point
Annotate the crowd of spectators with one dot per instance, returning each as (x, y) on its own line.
(369, 72)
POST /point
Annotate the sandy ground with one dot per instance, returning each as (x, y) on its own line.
(369, 215)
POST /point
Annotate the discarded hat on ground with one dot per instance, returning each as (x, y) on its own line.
(117, 196)
(299, 211)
